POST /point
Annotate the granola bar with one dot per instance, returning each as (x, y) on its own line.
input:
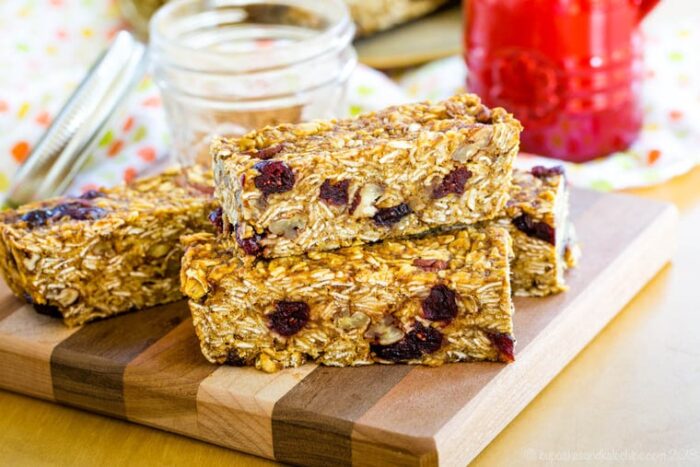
(402, 171)
(440, 298)
(544, 240)
(106, 251)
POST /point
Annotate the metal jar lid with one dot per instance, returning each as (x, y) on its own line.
(64, 148)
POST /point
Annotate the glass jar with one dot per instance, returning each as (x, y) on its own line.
(225, 67)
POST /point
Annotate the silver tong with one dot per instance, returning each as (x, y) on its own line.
(64, 148)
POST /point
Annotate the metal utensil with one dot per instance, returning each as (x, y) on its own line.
(64, 148)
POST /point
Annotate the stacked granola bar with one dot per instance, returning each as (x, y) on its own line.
(396, 237)
(339, 241)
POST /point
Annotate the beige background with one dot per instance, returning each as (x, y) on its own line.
(632, 396)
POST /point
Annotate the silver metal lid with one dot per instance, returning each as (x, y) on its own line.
(63, 149)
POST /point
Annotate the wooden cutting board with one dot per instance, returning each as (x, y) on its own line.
(146, 367)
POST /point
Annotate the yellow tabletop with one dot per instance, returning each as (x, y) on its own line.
(632, 394)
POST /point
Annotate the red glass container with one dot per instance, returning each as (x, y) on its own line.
(569, 70)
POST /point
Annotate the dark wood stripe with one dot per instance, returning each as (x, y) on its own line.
(160, 385)
(87, 369)
(312, 424)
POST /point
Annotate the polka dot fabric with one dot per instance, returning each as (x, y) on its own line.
(48, 45)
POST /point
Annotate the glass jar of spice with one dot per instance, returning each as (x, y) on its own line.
(225, 67)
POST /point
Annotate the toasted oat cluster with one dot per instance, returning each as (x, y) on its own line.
(441, 298)
(402, 171)
(107, 251)
(544, 240)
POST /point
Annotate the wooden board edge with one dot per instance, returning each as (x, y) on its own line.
(366, 451)
(35, 367)
(493, 409)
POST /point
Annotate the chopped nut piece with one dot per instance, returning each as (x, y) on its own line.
(357, 320)
(67, 296)
(366, 197)
(288, 228)
(384, 332)
(159, 250)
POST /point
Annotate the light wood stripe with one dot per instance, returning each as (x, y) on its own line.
(8, 303)
(161, 383)
(27, 340)
(87, 368)
(313, 422)
(235, 406)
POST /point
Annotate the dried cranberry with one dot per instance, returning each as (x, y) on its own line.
(275, 177)
(420, 341)
(440, 304)
(431, 265)
(91, 194)
(217, 220)
(526, 224)
(76, 210)
(37, 217)
(540, 171)
(233, 359)
(269, 152)
(452, 183)
(388, 216)
(250, 245)
(335, 193)
(427, 339)
(288, 317)
(405, 349)
(48, 310)
(504, 343)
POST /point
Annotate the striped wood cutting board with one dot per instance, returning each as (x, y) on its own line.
(146, 367)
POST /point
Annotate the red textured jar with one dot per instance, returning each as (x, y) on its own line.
(569, 70)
